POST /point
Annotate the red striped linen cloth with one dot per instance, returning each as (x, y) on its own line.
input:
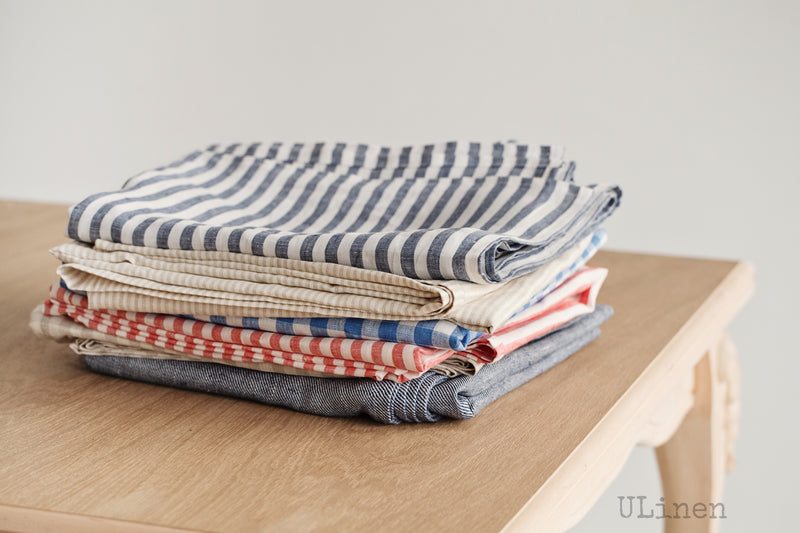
(333, 355)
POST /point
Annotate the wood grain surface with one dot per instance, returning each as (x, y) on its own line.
(80, 450)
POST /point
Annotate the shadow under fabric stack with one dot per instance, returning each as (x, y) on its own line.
(407, 284)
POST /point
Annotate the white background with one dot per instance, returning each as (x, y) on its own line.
(691, 108)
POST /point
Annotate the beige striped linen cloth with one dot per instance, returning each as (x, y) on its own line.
(187, 282)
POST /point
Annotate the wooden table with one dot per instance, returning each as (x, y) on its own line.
(84, 452)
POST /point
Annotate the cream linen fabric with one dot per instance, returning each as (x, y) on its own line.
(186, 282)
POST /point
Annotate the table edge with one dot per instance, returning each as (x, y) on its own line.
(682, 352)
(29, 519)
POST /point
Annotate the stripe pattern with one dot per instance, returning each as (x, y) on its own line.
(426, 399)
(181, 283)
(347, 357)
(431, 333)
(87, 341)
(484, 213)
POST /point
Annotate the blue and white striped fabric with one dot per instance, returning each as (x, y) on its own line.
(430, 333)
(484, 213)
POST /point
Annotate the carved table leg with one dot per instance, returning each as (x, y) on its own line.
(693, 461)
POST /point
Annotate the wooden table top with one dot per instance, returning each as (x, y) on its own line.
(78, 450)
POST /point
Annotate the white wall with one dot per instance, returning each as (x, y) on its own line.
(691, 108)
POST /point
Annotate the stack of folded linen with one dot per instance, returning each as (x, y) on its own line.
(408, 284)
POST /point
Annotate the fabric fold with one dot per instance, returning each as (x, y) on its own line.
(88, 341)
(407, 284)
(425, 399)
(376, 359)
(485, 213)
(167, 282)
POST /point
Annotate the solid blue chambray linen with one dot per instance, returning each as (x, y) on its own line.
(478, 212)
(428, 398)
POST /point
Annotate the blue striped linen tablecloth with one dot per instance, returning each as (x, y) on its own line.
(484, 213)
(428, 398)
